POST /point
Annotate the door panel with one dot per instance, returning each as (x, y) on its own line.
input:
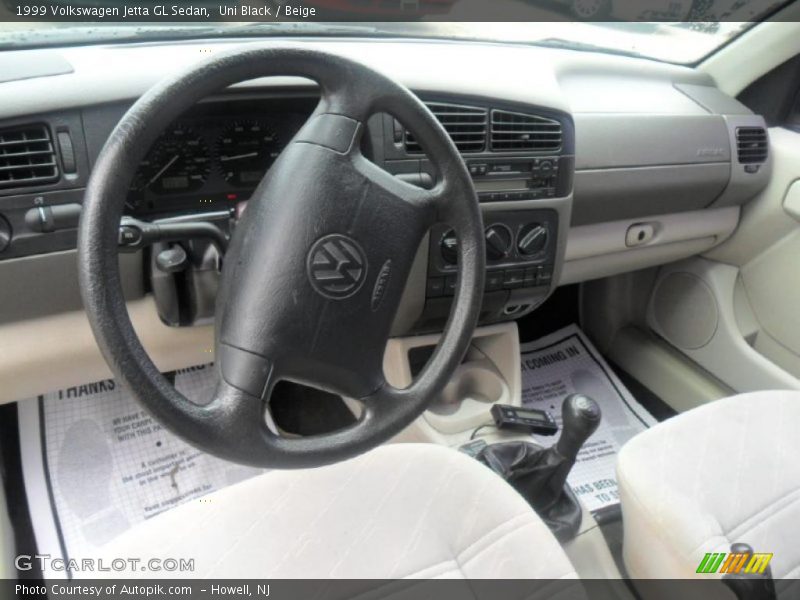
(772, 284)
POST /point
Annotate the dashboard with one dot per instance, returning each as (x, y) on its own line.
(586, 165)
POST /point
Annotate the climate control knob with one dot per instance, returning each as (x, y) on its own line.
(532, 239)
(498, 242)
(449, 247)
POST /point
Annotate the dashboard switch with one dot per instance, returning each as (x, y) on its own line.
(494, 280)
(531, 278)
(5, 234)
(449, 247)
(450, 285)
(514, 278)
(129, 235)
(67, 152)
(46, 219)
(544, 275)
(435, 287)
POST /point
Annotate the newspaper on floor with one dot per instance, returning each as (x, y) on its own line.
(95, 464)
(564, 363)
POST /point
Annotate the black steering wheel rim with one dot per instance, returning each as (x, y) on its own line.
(285, 254)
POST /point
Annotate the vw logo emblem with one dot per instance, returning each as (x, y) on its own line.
(336, 266)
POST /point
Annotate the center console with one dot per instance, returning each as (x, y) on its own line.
(521, 160)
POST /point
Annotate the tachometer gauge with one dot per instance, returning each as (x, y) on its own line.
(245, 151)
(179, 162)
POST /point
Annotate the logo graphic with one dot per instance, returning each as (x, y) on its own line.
(734, 563)
(381, 283)
(336, 266)
(711, 152)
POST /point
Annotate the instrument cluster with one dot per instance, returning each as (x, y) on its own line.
(215, 155)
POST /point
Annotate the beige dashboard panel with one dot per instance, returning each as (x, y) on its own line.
(54, 352)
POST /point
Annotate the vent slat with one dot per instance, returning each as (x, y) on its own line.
(28, 166)
(22, 142)
(527, 142)
(467, 126)
(751, 144)
(27, 157)
(461, 115)
(517, 131)
(48, 152)
(466, 133)
(554, 134)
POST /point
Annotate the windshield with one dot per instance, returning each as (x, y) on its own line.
(677, 42)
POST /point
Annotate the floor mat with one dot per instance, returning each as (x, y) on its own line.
(651, 402)
(566, 362)
(95, 464)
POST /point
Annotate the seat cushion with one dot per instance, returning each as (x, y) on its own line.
(722, 473)
(403, 510)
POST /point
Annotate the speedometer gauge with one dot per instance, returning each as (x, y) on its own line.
(179, 162)
(245, 151)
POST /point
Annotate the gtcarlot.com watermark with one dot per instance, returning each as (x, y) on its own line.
(46, 563)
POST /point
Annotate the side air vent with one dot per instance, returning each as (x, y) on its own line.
(515, 131)
(751, 144)
(467, 126)
(27, 156)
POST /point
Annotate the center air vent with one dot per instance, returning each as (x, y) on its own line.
(515, 131)
(751, 144)
(466, 125)
(27, 156)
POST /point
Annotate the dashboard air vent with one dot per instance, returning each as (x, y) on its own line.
(467, 126)
(27, 156)
(515, 131)
(751, 144)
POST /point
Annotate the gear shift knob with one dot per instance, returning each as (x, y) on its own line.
(580, 417)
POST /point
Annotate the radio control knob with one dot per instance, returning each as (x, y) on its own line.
(498, 242)
(545, 168)
(449, 247)
(532, 239)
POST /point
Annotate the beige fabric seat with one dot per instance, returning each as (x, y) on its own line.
(403, 510)
(723, 473)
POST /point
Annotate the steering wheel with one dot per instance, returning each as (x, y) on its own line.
(314, 272)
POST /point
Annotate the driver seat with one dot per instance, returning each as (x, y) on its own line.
(399, 511)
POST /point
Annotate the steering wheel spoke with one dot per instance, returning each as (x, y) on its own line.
(388, 189)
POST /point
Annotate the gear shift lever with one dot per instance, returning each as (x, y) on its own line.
(580, 418)
(540, 474)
